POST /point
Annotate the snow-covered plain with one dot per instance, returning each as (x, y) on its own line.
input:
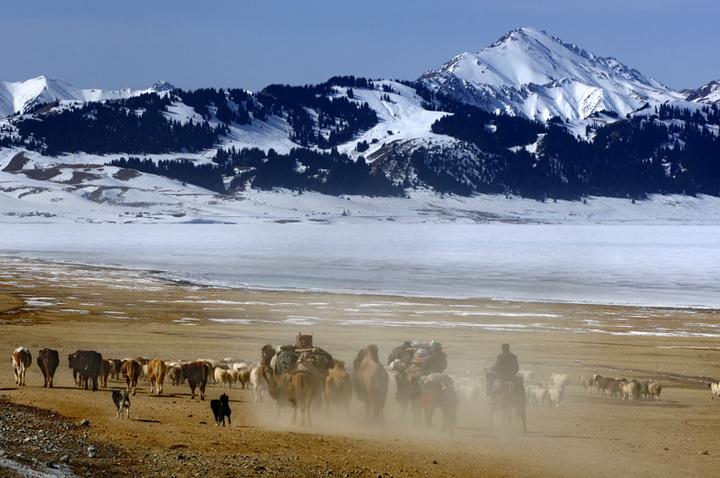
(654, 262)
(662, 251)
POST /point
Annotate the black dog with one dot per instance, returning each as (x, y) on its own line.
(221, 409)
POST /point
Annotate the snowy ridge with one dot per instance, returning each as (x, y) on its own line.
(709, 93)
(530, 73)
(84, 189)
(22, 96)
(527, 72)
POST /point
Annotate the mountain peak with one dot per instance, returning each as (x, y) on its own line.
(162, 85)
(523, 34)
(22, 96)
(531, 73)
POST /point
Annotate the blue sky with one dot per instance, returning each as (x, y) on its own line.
(251, 44)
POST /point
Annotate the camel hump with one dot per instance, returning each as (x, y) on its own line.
(373, 352)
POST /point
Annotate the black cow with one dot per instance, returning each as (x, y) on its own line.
(48, 361)
(196, 373)
(87, 364)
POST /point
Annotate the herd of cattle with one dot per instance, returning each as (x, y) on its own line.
(298, 377)
(291, 375)
(89, 367)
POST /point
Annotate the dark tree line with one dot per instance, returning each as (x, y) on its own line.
(207, 176)
(306, 170)
(338, 118)
(627, 158)
(663, 149)
(135, 125)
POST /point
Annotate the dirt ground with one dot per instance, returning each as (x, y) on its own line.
(128, 314)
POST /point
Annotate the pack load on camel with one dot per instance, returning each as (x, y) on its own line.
(425, 357)
(295, 373)
(304, 341)
(285, 359)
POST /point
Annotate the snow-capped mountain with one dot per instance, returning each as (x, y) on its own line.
(530, 73)
(620, 134)
(709, 93)
(23, 96)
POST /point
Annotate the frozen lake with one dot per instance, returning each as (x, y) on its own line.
(655, 265)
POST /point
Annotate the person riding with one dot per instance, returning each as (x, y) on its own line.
(436, 361)
(506, 368)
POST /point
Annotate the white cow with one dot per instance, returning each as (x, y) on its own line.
(21, 360)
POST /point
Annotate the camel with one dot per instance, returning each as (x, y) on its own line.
(370, 381)
(276, 383)
(303, 386)
(338, 387)
(509, 398)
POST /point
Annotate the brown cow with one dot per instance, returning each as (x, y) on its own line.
(21, 360)
(105, 371)
(48, 361)
(156, 374)
(131, 370)
(115, 369)
(87, 364)
(175, 374)
(196, 373)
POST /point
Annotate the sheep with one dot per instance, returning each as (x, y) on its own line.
(527, 375)
(654, 390)
(715, 388)
(258, 383)
(221, 375)
(234, 375)
(586, 382)
(244, 377)
(469, 389)
(560, 379)
(537, 395)
(243, 365)
(557, 394)
(630, 390)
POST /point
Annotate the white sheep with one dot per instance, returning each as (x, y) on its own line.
(537, 395)
(223, 376)
(654, 390)
(630, 390)
(258, 383)
(715, 388)
(560, 379)
(557, 394)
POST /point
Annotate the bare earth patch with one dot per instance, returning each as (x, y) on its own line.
(126, 314)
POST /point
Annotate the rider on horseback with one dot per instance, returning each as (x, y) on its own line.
(505, 369)
(436, 361)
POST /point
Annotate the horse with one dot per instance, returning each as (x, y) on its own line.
(407, 392)
(370, 381)
(509, 397)
(438, 391)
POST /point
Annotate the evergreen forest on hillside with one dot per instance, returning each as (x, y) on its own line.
(660, 149)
